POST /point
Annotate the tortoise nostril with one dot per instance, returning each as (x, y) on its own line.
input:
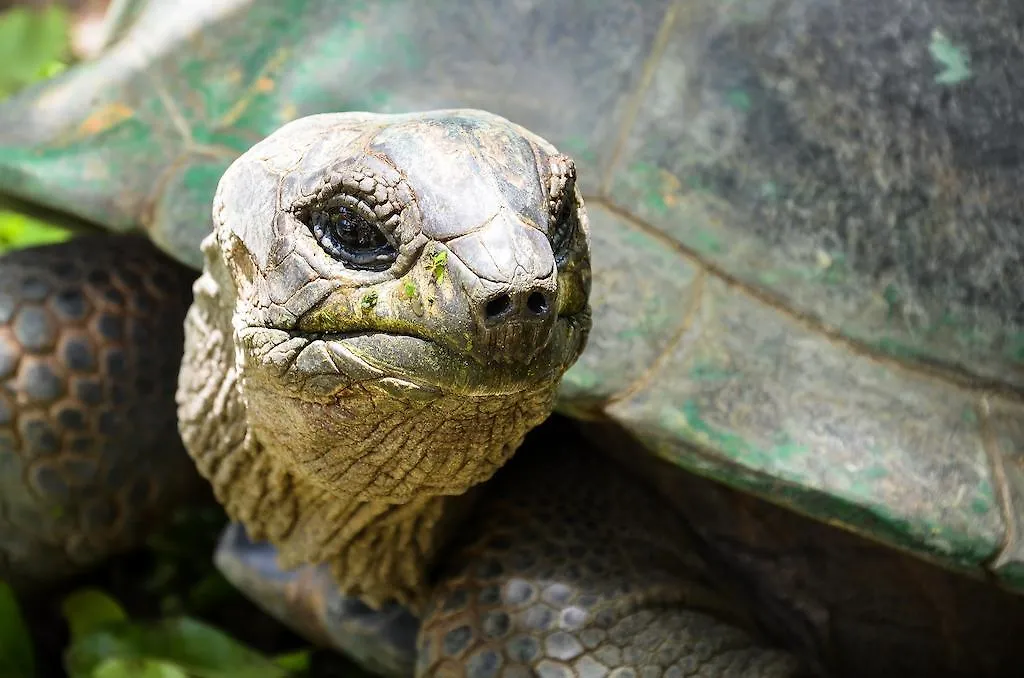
(497, 306)
(517, 307)
(537, 303)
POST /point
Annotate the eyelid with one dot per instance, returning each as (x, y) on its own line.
(351, 202)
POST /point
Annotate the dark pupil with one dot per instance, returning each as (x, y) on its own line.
(352, 239)
(563, 229)
(355, 234)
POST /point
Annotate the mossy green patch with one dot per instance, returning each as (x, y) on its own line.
(1015, 347)
(708, 242)
(955, 62)
(835, 270)
(769, 190)
(325, 320)
(738, 99)
(893, 298)
(711, 373)
(694, 426)
(780, 470)
(980, 506)
(875, 472)
(369, 301)
(579, 147)
(649, 179)
(437, 265)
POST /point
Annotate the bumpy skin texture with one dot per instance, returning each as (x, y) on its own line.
(553, 578)
(577, 570)
(340, 410)
(90, 340)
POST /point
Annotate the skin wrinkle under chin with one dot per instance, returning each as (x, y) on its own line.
(315, 433)
(378, 505)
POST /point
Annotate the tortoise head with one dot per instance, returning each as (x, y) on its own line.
(404, 295)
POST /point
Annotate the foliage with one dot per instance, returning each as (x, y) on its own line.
(19, 230)
(436, 265)
(16, 654)
(34, 45)
(108, 642)
(178, 647)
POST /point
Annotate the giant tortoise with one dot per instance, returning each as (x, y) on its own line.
(799, 418)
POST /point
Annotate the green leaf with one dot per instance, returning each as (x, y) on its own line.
(195, 648)
(89, 610)
(137, 668)
(295, 662)
(18, 230)
(34, 44)
(17, 657)
(437, 265)
(211, 590)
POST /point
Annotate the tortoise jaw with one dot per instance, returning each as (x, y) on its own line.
(321, 404)
(323, 366)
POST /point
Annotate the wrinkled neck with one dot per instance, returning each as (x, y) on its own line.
(366, 445)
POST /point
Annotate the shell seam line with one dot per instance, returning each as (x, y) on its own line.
(696, 296)
(173, 112)
(942, 373)
(633, 108)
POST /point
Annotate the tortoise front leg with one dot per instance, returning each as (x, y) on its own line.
(580, 571)
(90, 344)
(308, 600)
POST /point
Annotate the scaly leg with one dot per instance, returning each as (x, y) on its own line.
(579, 570)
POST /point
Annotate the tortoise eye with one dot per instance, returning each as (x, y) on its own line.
(562, 201)
(563, 225)
(352, 239)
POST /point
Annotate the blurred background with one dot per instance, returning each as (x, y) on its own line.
(39, 39)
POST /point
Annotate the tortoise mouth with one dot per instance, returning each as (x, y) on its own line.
(322, 366)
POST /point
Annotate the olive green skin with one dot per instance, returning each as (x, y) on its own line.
(807, 241)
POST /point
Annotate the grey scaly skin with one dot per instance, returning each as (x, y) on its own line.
(357, 433)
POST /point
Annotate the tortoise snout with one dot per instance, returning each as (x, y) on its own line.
(514, 322)
(532, 305)
(508, 271)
